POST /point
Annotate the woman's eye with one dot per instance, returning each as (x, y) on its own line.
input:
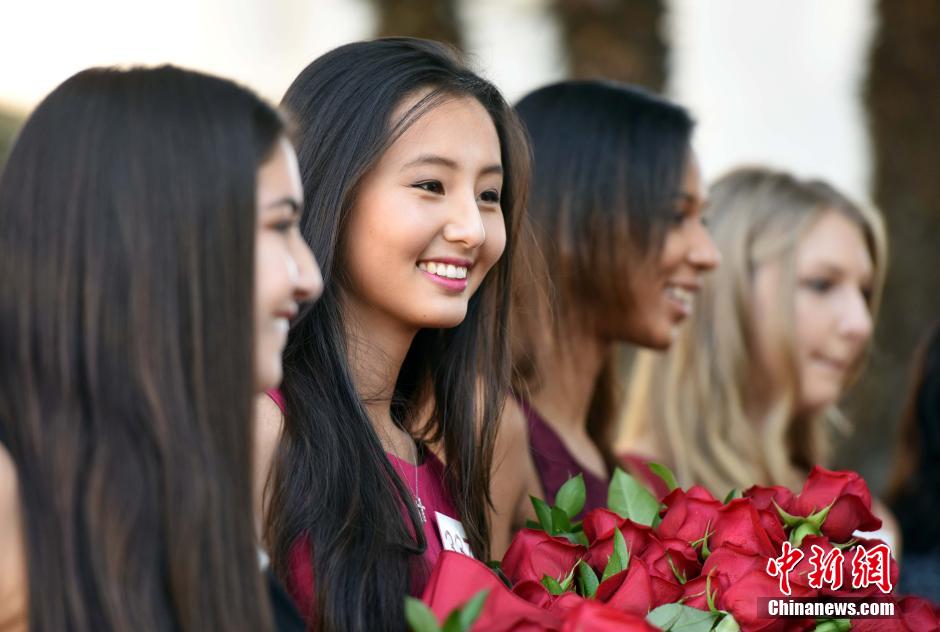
(490, 197)
(820, 286)
(283, 227)
(431, 186)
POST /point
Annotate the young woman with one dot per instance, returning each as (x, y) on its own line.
(914, 494)
(748, 393)
(414, 171)
(616, 206)
(149, 261)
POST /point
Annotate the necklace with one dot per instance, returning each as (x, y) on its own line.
(422, 510)
(418, 503)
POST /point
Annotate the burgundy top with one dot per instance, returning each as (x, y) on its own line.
(434, 496)
(555, 464)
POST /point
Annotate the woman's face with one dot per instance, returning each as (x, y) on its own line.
(286, 272)
(663, 290)
(833, 321)
(427, 224)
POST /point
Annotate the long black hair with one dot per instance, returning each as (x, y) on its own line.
(609, 159)
(332, 480)
(127, 227)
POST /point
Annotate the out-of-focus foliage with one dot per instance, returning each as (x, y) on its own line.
(615, 39)
(430, 19)
(903, 100)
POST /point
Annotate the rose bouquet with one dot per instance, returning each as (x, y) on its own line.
(686, 562)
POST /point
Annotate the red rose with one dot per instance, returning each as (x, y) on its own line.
(600, 524)
(457, 578)
(565, 603)
(739, 524)
(688, 513)
(740, 598)
(534, 554)
(693, 593)
(636, 536)
(851, 510)
(765, 497)
(533, 592)
(628, 591)
(592, 616)
(664, 556)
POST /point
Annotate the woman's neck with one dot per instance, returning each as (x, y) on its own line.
(376, 347)
(13, 580)
(568, 377)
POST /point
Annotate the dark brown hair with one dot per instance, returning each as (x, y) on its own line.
(333, 482)
(127, 224)
(608, 164)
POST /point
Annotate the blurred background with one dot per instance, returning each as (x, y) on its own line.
(846, 90)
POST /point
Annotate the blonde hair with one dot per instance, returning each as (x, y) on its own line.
(691, 400)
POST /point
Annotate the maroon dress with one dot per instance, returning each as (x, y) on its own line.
(555, 464)
(435, 498)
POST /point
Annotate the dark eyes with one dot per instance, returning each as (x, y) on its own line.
(431, 186)
(490, 196)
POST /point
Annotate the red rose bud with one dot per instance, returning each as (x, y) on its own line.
(594, 617)
(739, 524)
(636, 536)
(534, 554)
(688, 514)
(850, 499)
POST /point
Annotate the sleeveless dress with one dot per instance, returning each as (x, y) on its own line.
(434, 496)
(555, 464)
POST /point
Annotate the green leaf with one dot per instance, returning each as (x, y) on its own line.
(734, 494)
(587, 579)
(570, 498)
(674, 617)
(419, 616)
(560, 521)
(472, 609)
(833, 625)
(544, 512)
(631, 500)
(551, 584)
(575, 537)
(619, 559)
(665, 474)
(846, 545)
(452, 622)
(532, 524)
(727, 624)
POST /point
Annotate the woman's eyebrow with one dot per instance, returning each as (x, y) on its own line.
(289, 201)
(434, 159)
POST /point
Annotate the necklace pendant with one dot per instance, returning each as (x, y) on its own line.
(421, 512)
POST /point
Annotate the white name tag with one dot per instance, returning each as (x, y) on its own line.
(453, 536)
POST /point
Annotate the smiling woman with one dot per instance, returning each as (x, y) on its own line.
(414, 173)
(748, 393)
(617, 211)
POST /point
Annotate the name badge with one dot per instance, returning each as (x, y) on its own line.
(453, 536)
